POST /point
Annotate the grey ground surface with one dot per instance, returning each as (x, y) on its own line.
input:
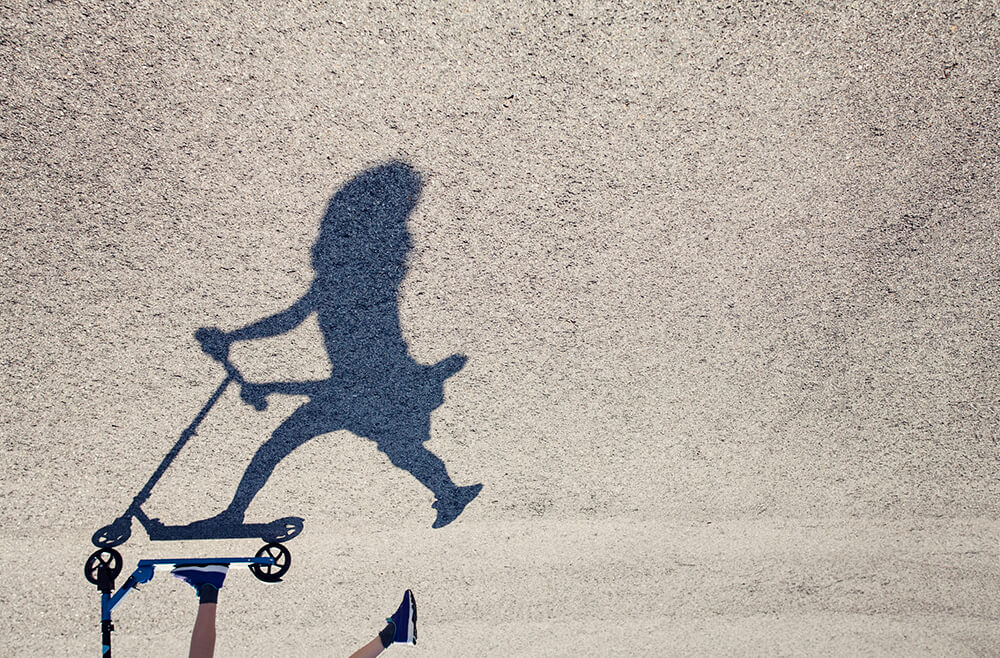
(725, 274)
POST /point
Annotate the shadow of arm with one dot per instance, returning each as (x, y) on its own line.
(280, 322)
(309, 388)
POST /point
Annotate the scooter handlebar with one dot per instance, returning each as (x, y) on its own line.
(254, 395)
(213, 343)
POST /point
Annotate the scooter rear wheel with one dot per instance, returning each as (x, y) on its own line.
(272, 573)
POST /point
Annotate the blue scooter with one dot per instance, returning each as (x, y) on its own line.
(269, 564)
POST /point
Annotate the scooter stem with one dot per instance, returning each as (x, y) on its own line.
(188, 432)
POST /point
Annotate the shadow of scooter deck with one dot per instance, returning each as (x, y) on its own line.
(278, 530)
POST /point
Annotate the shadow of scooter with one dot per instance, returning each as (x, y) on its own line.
(119, 530)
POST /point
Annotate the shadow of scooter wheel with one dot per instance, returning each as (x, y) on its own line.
(114, 534)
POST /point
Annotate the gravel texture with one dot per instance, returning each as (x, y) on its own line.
(725, 275)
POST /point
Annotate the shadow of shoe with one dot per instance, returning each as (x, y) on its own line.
(450, 508)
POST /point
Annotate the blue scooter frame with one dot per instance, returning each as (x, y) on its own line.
(269, 564)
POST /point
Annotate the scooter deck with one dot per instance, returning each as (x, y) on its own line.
(168, 563)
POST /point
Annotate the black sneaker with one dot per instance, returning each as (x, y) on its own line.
(405, 621)
(198, 575)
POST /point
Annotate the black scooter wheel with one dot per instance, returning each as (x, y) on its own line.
(114, 534)
(105, 557)
(272, 573)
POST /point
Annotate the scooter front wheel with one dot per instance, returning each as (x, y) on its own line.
(104, 557)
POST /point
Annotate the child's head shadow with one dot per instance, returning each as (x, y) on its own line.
(363, 237)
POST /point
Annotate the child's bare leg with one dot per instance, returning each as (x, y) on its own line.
(370, 650)
(203, 635)
(206, 579)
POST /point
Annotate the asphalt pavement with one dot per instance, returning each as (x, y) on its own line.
(704, 296)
